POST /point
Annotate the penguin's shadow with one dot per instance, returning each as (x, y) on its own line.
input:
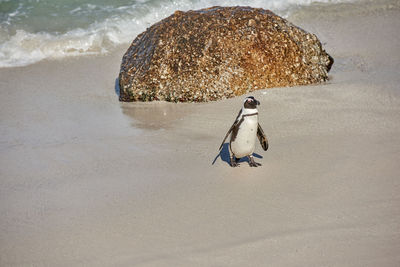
(226, 156)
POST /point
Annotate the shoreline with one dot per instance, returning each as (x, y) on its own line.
(296, 16)
(97, 182)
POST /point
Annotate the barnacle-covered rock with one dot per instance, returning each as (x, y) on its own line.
(217, 53)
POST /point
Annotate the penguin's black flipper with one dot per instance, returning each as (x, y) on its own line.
(231, 129)
(226, 136)
(262, 138)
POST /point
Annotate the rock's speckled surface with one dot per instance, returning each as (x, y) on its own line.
(217, 53)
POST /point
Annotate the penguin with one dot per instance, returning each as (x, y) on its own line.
(243, 134)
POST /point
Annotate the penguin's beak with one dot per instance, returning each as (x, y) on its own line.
(257, 102)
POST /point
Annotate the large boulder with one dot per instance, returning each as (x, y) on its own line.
(217, 53)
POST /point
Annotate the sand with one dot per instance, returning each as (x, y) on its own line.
(88, 181)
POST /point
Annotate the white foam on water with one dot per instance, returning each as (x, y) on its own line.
(124, 23)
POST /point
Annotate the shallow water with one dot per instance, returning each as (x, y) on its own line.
(33, 30)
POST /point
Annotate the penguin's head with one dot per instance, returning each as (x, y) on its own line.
(250, 102)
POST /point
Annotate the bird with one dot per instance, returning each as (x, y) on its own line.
(243, 134)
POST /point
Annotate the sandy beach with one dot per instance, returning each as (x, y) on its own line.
(88, 181)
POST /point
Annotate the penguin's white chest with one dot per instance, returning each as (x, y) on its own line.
(244, 143)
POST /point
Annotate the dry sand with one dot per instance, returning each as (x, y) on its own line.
(88, 181)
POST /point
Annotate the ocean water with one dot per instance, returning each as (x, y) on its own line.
(33, 30)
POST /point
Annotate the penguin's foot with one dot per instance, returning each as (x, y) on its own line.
(252, 163)
(234, 162)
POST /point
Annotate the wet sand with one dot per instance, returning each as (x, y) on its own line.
(88, 181)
